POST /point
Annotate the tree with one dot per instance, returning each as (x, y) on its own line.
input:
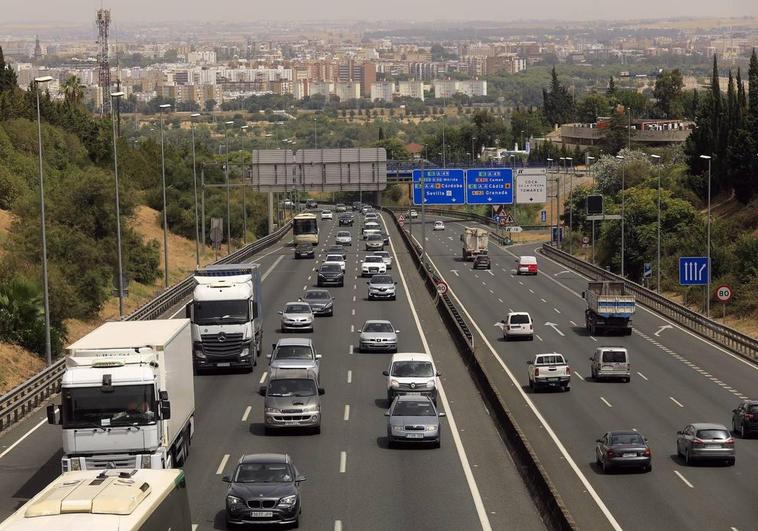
(611, 91)
(7, 74)
(592, 106)
(72, 91)
(558, 105)
(210, 105)
(668, 93)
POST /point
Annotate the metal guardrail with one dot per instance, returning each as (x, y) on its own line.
(723, 335)
(26, 397)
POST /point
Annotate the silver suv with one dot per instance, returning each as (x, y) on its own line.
(292, 400)
(381, 287)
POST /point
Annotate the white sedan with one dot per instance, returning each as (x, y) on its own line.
(439, 225)
(326, 214)
(373, 265)
(336, 259)
(344, 238)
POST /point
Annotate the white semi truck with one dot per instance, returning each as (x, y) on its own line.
(127, 397)
(226, 314)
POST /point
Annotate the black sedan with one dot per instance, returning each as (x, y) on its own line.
(330, 274)
(482, 261)
(304, 250)
(346, 219)
(264, 489)
(623, 449)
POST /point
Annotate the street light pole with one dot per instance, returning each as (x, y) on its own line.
(708, 280)
(571, 205)
(244, 186)
(623, 220)
(164, 107)
(228, 192)
(194, 187)
(115, 97)
(657, 158)
(46, 292)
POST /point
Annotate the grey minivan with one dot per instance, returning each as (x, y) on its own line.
(610, 362)
(292, 400)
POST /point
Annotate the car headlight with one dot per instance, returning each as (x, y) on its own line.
(233, 501)
(430, 384)
(328, 305)
(395, 384)
(397, 429)
(311, 408)
(273, 410)
(146, 461)
(288, 501)
(198, 352)
(431, 428)
(75, 464)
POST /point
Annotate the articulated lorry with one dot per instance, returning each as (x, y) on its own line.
(474, 242)
(127, 397)
(226, 314)
(609, 308)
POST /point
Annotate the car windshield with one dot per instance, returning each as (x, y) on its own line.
(294, 352)
(614, 356)
(292, 387)
(263, 473)
(336, 249)
(331, 268)
(520, 318)
(550, 360)
(408, 369)
(220, 312)
(297, 308)
(626, 438)
(373, 259)
(378, 327)
(326, 212)
(381, 279)
(374, 237)
(334, 258)
(305, 247)
(413, 408)
(712, 434)
(343, 234)
(383, 254)
(317, 295)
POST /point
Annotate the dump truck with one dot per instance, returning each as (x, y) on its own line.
(609, 307)
(127, 397)
(474, 242)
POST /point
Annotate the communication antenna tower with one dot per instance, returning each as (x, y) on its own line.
(104, 76)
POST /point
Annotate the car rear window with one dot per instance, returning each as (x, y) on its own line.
(614, 356)
(550, 360)
(520, 319)
(712, 434)
(627, 438)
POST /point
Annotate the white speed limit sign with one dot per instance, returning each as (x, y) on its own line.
(724, 293)
(441, 287)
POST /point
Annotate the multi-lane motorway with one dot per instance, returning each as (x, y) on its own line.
(677, 378)
(354, 480)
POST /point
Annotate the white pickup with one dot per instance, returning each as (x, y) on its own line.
(549, 370)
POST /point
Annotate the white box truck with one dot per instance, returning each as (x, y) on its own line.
(127, 397)
(226, 311)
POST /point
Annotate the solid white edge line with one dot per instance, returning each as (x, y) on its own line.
(473, 487)
(24, 436)
(684, 479)
(220, 469)
(245, 415)
(343, 462)
(564, 452)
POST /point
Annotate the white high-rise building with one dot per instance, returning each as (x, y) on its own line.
(347, 90)
(411, 89)
(382, 91)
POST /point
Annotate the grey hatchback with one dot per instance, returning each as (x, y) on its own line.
(617, 449)
(705, 441)
(413, 419)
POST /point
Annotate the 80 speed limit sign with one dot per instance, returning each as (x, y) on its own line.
(724, 293)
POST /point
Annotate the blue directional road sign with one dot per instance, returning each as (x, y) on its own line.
(543, 216)
(441, 187)
(693, 270)
(489, 186)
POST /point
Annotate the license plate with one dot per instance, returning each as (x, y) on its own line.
(414, 435)
(261, 514)
(713, 446)
(225, 364)
(552, 379)
(630, 455)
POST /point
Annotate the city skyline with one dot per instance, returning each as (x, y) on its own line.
(143, 11)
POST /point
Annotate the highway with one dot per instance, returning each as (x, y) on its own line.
(677, 378)
(354, 480)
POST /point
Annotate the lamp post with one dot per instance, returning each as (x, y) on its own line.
(623, 220)
(228, 192)
(194, 187)
(522, 139)
(571, 204)
(115, 96)
(46, 292)
(708, 280)
(657, 158)
(164, 107)
(549, 165)
(244, 206)
(588, 158)
(315, 133)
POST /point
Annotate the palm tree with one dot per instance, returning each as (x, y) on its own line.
(72, 90)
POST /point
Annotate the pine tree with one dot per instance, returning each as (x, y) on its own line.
(7, 74)
(611, 92)
(752, 97)
(741, 95)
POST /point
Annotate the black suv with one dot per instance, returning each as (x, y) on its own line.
(745, 418)
(330, 274)
(346, 219)
(482, 261)
(304, 250)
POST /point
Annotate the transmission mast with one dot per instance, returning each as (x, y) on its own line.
(104, 76)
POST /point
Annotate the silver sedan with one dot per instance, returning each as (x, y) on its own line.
(378, 335)
(413, 419)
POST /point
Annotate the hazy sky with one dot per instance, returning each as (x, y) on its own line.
(14, 11)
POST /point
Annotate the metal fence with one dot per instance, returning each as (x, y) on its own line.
(26, 397)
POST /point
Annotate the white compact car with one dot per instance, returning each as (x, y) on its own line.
(326, 214)
(439, 225)
(518, 324)
(344, 238)
(373, 265)
(336, 259)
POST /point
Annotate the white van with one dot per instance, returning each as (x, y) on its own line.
(610, 362)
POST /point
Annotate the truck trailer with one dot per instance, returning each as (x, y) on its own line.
(475, 242)
(226, 314)
(609, 308)
(127, 397)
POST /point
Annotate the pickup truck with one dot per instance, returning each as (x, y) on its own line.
(549, 370)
